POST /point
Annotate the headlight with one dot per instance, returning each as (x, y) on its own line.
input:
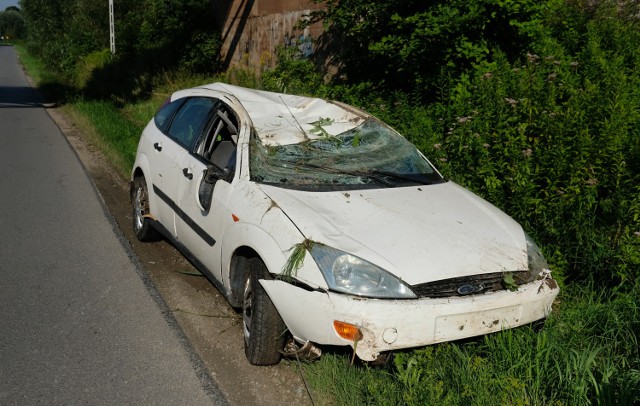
(538, 266)
(349, 274)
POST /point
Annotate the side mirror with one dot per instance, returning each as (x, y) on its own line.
(205, 192)
(213, 173)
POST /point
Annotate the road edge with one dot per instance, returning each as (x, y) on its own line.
(208, 383)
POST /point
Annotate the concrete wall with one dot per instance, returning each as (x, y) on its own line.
(252, 29)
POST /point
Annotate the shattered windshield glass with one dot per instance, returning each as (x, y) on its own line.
(370, 155)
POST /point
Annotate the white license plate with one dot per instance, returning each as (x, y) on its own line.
(470, 324)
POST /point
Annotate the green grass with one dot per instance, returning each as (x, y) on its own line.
(32, 65)
(106, 127)
(100, 121)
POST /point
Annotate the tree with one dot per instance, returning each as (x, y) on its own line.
(12, 23)
(152, 34)
(409, 44)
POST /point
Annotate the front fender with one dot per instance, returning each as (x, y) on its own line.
(274, 254)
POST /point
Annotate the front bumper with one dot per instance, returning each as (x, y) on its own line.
(395, 324)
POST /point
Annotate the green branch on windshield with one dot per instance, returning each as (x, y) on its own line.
(319, 130)
(317, 126)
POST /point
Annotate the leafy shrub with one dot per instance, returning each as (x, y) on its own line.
(86, 65)
(553, 142)
(293, 74)
(12, 24)
(409, 45)
(551, 136)
(151, 36)
(202, 54)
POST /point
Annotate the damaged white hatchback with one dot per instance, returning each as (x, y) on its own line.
(326, 226)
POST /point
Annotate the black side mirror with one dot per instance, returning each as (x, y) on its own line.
(211, 175)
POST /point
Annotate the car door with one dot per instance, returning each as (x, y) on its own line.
(204, 195)
(180, 138)
(162, 153)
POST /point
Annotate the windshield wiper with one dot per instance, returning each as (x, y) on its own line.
(420, 178)
(369, 175)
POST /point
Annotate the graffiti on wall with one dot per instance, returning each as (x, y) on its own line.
(304, 43)
(253, 42)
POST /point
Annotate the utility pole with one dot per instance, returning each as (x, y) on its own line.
(112, 29)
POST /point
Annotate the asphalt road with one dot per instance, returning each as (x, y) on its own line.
(79, 322)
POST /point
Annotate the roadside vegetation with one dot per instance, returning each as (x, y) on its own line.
(12, 25)
(534, 105)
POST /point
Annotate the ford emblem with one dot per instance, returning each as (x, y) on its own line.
(468, 289)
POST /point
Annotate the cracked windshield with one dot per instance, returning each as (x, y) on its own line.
(369, 156)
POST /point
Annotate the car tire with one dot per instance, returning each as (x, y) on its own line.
(262, 326)
(140, 200)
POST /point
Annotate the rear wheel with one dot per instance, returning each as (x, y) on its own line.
(263, 328)
(141, 223)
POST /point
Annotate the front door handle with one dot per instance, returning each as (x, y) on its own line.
(187, 174)
(157, 146)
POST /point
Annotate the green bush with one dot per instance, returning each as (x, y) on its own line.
(152, 36)
(409, 45)
(293, 74)
(12, 26)
(86, 66)
(554, 142)
(552, 136)
(202, 53)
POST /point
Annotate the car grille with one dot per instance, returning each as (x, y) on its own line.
(468, 285)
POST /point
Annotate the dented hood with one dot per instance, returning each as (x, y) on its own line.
(420, 234)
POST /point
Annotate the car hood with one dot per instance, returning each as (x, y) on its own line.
(420, 234)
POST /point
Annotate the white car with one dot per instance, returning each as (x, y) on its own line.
(325, 225)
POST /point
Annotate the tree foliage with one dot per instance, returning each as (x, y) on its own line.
(12, 23)
(150, 35)
(410, 44)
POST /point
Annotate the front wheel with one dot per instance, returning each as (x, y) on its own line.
(263, 328)
(141, 222)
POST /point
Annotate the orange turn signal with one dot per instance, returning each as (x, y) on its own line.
(347, 331)
(235, 218)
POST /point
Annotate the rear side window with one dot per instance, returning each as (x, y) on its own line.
(189, 121)
(165, 114)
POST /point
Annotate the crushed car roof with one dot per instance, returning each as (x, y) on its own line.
(282, 119)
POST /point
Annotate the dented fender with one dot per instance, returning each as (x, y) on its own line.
(272, 254)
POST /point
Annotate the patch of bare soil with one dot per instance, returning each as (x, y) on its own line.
(213, 328)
